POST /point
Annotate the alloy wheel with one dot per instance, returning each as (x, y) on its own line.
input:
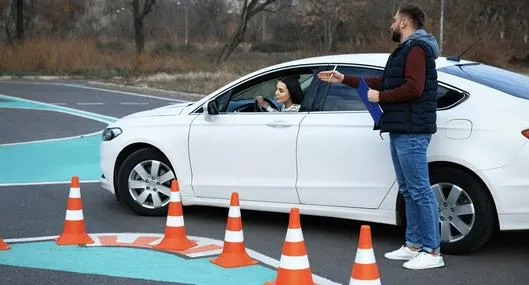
(149, 184)
(456, 211)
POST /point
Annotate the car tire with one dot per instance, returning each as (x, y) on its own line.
(140, 156)
(483, 223)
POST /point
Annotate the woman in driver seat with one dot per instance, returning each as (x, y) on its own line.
(288, 94)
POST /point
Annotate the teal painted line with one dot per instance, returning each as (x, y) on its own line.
(50, 161)
(18, 103)
(131, 263)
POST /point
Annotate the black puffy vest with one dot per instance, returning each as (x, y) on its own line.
(417, 116)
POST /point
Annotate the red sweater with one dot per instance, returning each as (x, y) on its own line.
(414, 74)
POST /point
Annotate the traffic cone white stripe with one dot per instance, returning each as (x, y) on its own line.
(74, 215)
(235, 212)
(294, 262)
(234, 236)
(364, 282)
(175, 221)
(75, 193)
(294, 235)
(175, 197)
(365, 256)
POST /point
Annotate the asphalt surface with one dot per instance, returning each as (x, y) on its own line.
(19, 125)
(87, 98)
(38, 210)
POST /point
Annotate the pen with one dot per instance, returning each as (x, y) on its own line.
(332, 73)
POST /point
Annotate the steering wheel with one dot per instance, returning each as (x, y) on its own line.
(257, 108)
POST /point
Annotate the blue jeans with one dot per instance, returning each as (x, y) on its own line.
(408, 152)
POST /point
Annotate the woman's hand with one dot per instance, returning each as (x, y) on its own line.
(262, 102)
(336, 77)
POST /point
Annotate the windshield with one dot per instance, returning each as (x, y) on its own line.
(503, 80)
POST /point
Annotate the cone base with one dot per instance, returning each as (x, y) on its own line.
(287, 277)
(3, 245)
(176, 244)
(74, 239)
(274, 283)
(232, 260)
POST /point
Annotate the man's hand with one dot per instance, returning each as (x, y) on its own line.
(336, 77)
(373, 96)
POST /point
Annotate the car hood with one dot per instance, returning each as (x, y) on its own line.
(170, 110)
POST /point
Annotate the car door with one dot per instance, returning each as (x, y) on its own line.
(240, 150)
(342, 161)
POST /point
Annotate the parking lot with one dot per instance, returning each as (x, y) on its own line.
(34, 185)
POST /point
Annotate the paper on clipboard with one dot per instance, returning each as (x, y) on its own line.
(374, 108)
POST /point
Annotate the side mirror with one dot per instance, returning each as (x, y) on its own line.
(211, 108)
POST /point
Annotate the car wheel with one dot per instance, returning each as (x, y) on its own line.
(144, 182)
(466, 211)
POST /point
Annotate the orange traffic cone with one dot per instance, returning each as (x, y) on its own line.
(234, 251)
(175, 233)
(74, 228)
(365, 270)
(3, 245)
(294, 268)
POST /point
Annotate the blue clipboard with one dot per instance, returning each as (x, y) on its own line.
(374, 108)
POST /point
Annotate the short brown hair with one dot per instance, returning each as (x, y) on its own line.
(413, 12)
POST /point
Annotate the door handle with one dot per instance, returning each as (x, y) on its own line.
(279, 124)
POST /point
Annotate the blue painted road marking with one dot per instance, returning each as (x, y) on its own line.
(51, 161)
(131, 263)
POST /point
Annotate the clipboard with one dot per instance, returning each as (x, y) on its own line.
(374, 108)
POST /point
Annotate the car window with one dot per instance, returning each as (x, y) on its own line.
(341, 97)
(447, 98)
(242, 98)
(503, 80)
(265, 89)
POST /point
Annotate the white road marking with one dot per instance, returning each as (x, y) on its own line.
(67, 110)
(258, 256)
(106, 90)
(134, 103)
(58, 139)
(45, 183)
(90, 103)
(121, 92)
(127, 238)
(98, 103)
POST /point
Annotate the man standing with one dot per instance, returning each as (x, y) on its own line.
(408, 97)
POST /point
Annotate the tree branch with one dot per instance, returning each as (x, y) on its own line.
(147, 8)
(259, 8)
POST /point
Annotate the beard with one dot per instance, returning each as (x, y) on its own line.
(395, 36)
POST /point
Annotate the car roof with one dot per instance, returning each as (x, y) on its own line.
(373, 59)
(368, 59)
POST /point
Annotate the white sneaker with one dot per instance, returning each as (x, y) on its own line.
(402, 253)
(425, 261)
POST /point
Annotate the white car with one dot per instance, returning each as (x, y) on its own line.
(326, 159)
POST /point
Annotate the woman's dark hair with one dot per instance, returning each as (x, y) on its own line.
(293, 87)
(413, 12)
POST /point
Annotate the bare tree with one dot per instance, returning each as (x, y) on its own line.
(210, 20)
(20, 20)
(139, 34)
(250, 8)
(6, 10)
(322, 18)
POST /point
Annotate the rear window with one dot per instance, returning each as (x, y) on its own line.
(503, 80)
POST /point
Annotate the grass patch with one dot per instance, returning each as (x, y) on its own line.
(189, 68)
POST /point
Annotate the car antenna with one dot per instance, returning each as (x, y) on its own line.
(458, 58)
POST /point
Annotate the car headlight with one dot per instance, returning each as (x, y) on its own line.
(111, 133)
